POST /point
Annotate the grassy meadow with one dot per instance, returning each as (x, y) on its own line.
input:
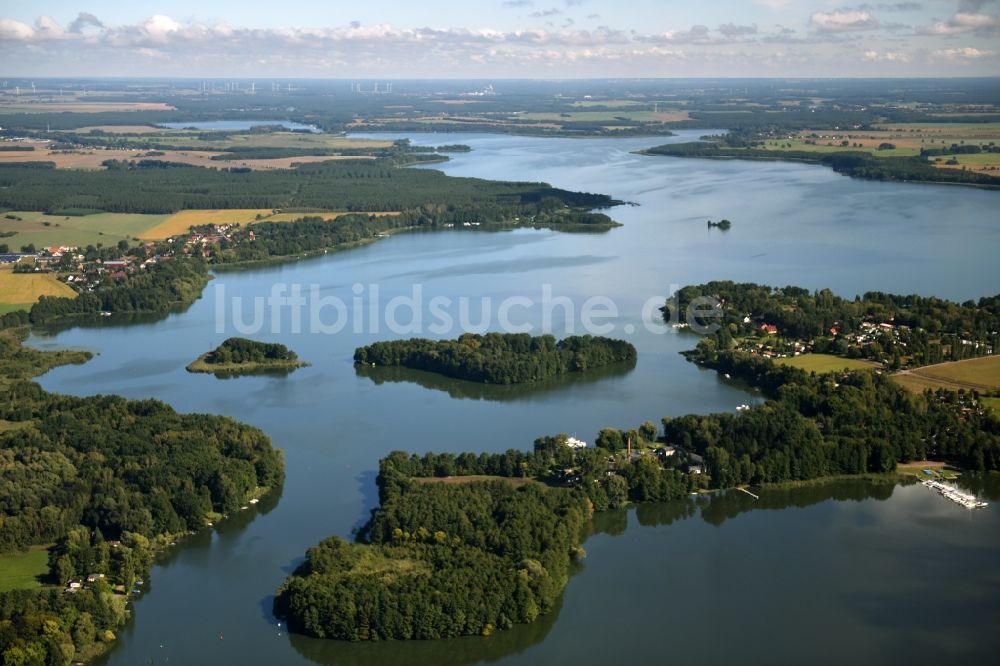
(43, 230)
(820, 363)
(21, 571)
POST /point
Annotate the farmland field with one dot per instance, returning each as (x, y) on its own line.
(24, 289)
(907, 139)
(607, 103)
(43, 230)
(76, 106)
(982, 374)
(179, 223)
(820, 363)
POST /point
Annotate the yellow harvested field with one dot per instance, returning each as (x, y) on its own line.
(980, 374)
(179, 223)
(26, 288)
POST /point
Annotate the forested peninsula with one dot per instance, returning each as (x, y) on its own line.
(237, 356)
(856, 164)
(104, 483)
(499, 358)
(354, 186)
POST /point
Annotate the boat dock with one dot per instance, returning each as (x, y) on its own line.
(747, 492)
(955, 495)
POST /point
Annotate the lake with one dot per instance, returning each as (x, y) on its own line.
(844, 572)
(239, 125)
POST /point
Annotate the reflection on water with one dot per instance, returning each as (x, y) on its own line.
(461, 389)
(726, 505)
(986, 485)
(451, 651)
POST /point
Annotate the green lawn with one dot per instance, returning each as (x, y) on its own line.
(20, 571)
(992, 404)
(43, 230)
(820, 363)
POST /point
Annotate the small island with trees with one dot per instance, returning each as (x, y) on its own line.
(237, 356)
(499, 358)
(721, 224)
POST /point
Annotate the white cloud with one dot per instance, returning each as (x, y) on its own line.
(966, 53)
(161, 45)
(968, 19)
(15, 30)
(843, 21)
(886, 56)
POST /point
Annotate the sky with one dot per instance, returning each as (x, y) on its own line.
(500, 38)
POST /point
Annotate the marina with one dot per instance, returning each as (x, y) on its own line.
(954, 494)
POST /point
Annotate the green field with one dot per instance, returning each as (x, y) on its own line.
(21, 571)
(43, 230)
(664, 115)
(820, 363)
(821, 147)
(992, 404)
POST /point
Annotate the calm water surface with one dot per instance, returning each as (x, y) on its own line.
(844, 572)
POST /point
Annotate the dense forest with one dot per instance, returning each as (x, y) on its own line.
(109, 481)
(898, 330)
(119, 466)
(857, 164)
(159, 187)
(499, 358)
(440, 560)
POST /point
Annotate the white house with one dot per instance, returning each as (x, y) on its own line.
(574, 443)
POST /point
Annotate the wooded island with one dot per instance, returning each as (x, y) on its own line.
(241, 356)
(499, 358)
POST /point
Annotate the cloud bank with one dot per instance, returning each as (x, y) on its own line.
(830, 43)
